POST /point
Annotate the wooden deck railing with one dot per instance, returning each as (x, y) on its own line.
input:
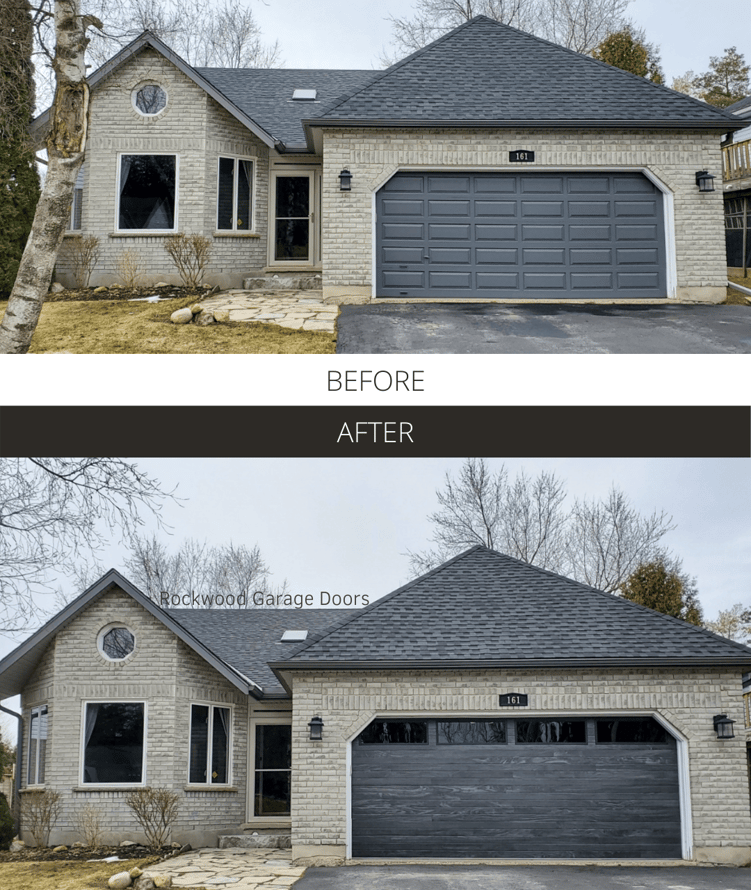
(736, 161)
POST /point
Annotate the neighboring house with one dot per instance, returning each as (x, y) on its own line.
(489, 165)
(488, 709)
(736, 184)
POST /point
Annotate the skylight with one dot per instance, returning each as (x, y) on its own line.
(290, 636)
(304, 94)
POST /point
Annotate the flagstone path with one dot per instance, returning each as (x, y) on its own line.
(298, 310)
(233, 868)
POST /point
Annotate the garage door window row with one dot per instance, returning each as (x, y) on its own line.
(550, 731)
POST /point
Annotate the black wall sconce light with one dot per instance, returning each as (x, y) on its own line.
(316, 729)
(705, 181)
(345, 181)
(723, 726)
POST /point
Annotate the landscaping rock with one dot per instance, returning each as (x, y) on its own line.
(181, 316)
(128, 844)
(101, 289)
(17, 846)
(145, 882)
(162, 882)
(186, 848)
(59, 849)
(205, 317)
(196, 308)
(135, 872)
(57, 288)
(221, 316)
(120, 881)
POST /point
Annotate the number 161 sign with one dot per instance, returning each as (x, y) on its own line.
(513, 700)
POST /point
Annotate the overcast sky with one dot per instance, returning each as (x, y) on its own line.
(346, 34)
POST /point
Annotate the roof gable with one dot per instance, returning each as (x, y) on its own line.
(486, 72)
(147, 39)
(17, 667)
(483, 608)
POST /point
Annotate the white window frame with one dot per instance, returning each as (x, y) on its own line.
(176, 221)
(210, 741)
(82, 744)
(235, 183)
(36, 712)
(103, 633)
(314, 217)
(260, 718)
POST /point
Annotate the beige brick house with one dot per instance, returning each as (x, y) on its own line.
(486, 710)
(490, 165)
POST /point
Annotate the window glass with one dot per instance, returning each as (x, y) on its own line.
(292, 196)
(113, 742)
(199, 742)
(631, 730)
(151, 99)
(272, 770)
(471, 732)
(37, 746)
(235, 195)
(225, 200)
(209, 743)
(118, 643)
(551, 731)
(401, 732)
(292, 232)
(147, 192)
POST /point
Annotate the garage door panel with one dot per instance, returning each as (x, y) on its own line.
(505, 800)
(404, 279)
(596, 228)
(459, 280)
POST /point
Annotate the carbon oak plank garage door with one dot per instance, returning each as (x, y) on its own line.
(515, 801)
(525, 235)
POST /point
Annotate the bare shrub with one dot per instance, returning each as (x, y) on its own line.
(156, 810)
(85, 258)
(191, 255)
(88, 823)
(129, 268)
(39, 812)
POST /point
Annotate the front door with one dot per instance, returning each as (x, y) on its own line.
(293, 218)
(272, 769)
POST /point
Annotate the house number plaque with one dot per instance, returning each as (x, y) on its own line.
(521, 154)
(513, 700)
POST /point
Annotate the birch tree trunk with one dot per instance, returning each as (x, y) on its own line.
(65, 145)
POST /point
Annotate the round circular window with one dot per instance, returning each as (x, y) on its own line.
(116, 643)
(150, 99)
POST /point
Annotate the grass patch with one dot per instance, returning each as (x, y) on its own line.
(115, 327)
(735, 298)
(63, 875)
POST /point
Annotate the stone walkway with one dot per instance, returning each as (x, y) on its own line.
(298, 310)
(233, 868)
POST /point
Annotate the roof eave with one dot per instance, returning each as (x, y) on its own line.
(399, 664)
(723, 126)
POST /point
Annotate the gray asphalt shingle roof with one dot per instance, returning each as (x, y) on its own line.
(265, 94)
(484, 606)
(248, 639)
(485, 71)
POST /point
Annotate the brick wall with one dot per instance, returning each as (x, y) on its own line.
(165, 674)
(373, 156)
(197, 130)
(348, 701)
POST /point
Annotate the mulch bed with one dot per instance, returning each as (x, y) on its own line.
(79, 854)
(117, 292)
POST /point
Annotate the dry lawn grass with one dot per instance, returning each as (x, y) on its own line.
(63, 875)
(117, 327)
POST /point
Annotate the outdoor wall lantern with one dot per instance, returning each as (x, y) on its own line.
(316, 729)
(705, 181)
(345, 181)
(723, 726)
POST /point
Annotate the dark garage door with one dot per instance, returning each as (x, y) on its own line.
(555, 788)
(504, 235)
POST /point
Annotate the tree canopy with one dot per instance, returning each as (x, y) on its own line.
(598, 541)
(726, 81)
(628, 49)
(660, 585)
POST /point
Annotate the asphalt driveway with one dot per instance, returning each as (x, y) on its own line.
(532, 877)
(460, 329)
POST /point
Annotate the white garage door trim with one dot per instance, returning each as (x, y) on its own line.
(671, 270)
(684, 789)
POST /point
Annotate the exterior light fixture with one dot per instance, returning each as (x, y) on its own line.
(316, 729)
(705, 181)
(345, 181)
(723, 726)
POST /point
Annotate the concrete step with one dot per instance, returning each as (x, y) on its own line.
(283, 282)
(256, 839)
